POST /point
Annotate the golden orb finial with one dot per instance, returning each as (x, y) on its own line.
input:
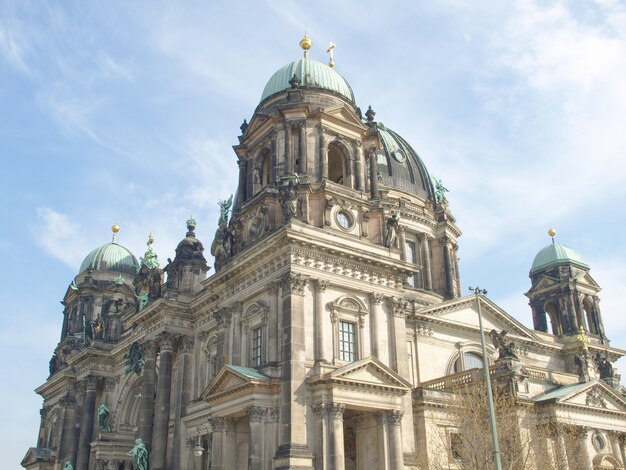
(552, 232)
(306, 43)
(115, 228)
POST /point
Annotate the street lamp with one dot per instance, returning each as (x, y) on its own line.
(492, 415)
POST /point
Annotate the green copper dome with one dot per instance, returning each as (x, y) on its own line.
(556, 254)
(111, 257)
(312, 74)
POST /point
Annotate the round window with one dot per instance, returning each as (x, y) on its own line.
(598, 441)
(344, 219)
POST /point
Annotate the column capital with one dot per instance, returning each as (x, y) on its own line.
(255, 413)
(393, 417)
(376, 298)
(186, 344)
(294, 283)
(150, 347)
(272, 287)
(398, 306)
(91, 383)
(335, 410)
(320, 285)
(167, 341)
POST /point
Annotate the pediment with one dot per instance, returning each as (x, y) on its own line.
(594, 394)
(463, 313)
(36, 454)
(368, 371)
(545, 282)
(235, 379)
(343, 114)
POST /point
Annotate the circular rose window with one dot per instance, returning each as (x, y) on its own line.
(344, 219)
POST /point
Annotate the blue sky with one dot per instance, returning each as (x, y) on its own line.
(127, 111)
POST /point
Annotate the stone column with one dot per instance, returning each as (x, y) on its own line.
(241, 196)
(373, 174)
(289, 160)
(79, 394)
(335, 428)
(217, 444)
(86, 426)
(394, 420)
(183, 387)
(65, 429)
(293, 450)
(447, 258)
(146, 400)
(614, 436)
(561, 451)
(255, 447)
(379, 349)
(302, 165)
(236, 333)
(402, 242)
(273, 333)
(621, 437)
(428, 277)
(230, 445)
(358, 165)
(323, 153)
(320, 437)
(320, 331)
(583, 435)
(273, 162)
(163, 396)
(456, 270)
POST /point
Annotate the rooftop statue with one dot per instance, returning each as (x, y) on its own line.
(506, 350)
(225, 207)
(393, 227)
(440, 192)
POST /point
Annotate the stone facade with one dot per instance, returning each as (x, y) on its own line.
(333, 333)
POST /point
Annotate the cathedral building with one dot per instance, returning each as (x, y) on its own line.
(333, 331)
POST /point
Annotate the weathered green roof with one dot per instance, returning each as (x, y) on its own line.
(249, 372)
(556, 254)
(111, 257)
(312, 74)
(560, 392)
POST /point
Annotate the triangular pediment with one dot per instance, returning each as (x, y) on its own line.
(595, 394)
(463, 313)
(344, 114)
(231, 379)
(369, 371)
(36, 454)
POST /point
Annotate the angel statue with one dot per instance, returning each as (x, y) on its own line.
(225, 207)
(505, 350)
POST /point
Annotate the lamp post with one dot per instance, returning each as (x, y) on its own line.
(492, 415)
(198, 449)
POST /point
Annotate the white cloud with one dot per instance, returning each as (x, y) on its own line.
(60, 237)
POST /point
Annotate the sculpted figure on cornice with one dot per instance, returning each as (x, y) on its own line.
(392, 230)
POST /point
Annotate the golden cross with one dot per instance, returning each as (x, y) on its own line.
(582, 338)
(331, 46)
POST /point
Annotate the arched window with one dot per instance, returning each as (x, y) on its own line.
(467, 361)
(552, 311)
(336, 165)
(265, 170)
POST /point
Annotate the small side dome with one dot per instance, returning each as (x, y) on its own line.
(401, 166)
(312, 74)
(556, 254)
(111, 257)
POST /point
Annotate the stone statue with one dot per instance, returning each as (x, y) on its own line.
(139, 453)
(393, 228)
(172, 274)
(68, 465)
(103, 418)
(225, 207)
(243, 127)
(221, 246)
(369, 114)
(52, 366)
(604, 367)
(440, 192)
(289, 202)
(134, 360)
(582, 363)
(505, 350)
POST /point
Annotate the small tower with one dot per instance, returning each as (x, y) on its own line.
(188, 269)
(564, 293)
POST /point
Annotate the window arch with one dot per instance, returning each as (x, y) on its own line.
(468, 360)
(552, 311)
(590, 314)
(337, 165)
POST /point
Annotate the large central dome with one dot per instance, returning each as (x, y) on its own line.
(312, 74)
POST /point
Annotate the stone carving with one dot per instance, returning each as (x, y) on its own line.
(148, 282)
(369, 114)
(581, 360)
(392, 230)
(103, 418)
(223, 243)
(255, 413)
(289, 201)
(335, 410)
(134, 360)
(506, 350)
(294, 284)
(139, 453)
(294, 82)
(604, 367)
(225, 207)
(244, 127)
(595, 398)
(257, 224)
